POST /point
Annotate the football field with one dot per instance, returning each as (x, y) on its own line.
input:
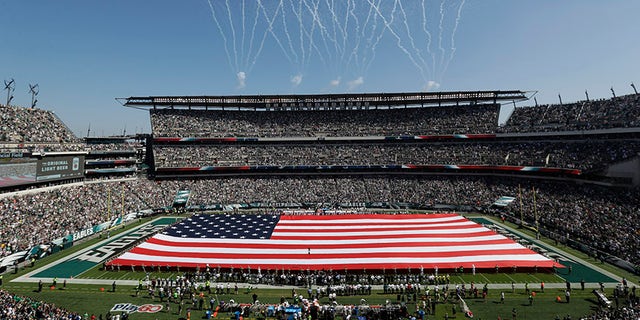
(82, 285)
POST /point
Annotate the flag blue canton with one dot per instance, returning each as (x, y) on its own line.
(225, 226)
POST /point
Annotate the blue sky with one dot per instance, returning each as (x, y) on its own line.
(84, 54)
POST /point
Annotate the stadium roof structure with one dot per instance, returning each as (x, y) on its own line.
(324, 101)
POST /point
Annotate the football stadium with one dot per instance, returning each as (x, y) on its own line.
(425, 204)
(375, 205)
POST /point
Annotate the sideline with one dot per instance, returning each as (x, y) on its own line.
(29, 277)
(565, 254)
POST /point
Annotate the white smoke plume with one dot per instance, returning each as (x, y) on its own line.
(353, 84)
(431, 85)
(242, 79)
(296, 80)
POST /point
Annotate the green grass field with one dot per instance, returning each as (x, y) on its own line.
(90, 299)
(99, 299)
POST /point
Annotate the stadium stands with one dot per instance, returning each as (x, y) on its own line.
(584, 155)
(620, 112)
(33, 218)
(380, 122)
(16, 307)
(631, 311)
(110, 160)
(26, 125)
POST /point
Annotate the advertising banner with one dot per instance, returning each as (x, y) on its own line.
(60, 167)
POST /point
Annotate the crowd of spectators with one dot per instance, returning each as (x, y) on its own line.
(38, 217)
(586, 155)
(42, 147)
(376, 122)
(632, 311)
(67, 147)
(619, 112)
(26, 125)
(14, 307)
(128, 146)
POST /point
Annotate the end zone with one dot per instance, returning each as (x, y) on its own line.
(73, 265)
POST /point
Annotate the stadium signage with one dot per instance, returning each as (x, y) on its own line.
(130, 308)
(101, 253)
(504, 201)
(9, 155)
(83, 233)
(54, 168)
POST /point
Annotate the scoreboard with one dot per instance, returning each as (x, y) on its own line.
(60, 167)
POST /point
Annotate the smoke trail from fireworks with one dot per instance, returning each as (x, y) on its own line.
(233, 33)
(412, 42)
(309, 32)
(441, 30)
(317, 22)
(345, 30)
(222, 34)
(269, 30)
(311, 42)
(253, 33)
(334, 27)
(344, 35)
(388, 26)
(353, 56)
(426, 31)
(242, 22)
(362, 61)
(288, 37)
(453, 37)
(377, 39)
(302, 31)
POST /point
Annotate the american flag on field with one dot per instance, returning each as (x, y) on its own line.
(350, 241)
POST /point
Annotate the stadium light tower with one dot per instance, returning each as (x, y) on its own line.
(10, 86)
(634, 88)
(34, 90)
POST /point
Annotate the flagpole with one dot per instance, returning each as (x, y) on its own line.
(535, 213)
